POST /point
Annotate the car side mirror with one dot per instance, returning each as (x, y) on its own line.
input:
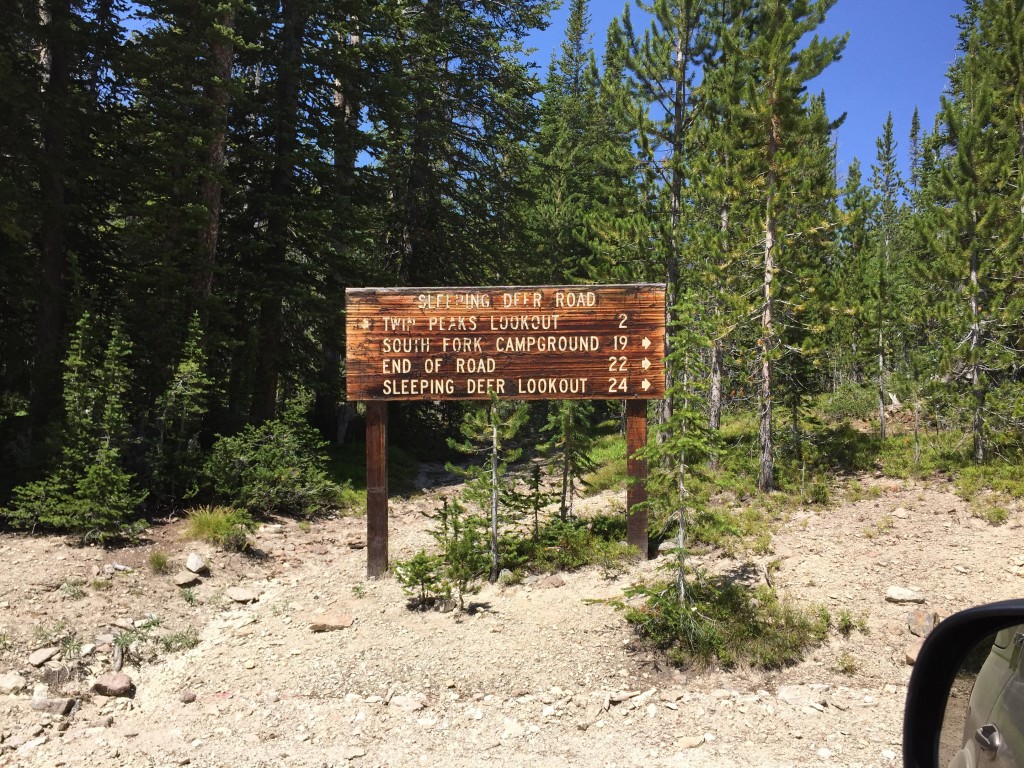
(965, 701)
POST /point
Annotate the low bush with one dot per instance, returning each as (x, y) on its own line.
(851, 401)
(224, 527)
(724, 622)
(276, 468)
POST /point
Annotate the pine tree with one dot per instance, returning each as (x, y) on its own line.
(974, 225)
(486, 430)
(776, 111)
(885, 179)
(573, 432)
(662, 66)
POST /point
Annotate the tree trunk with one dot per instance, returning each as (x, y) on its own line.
(326, 399)
(217, 94)
(494, 494)
(766, 473)
(977, 386)
(279, 219)
(52, 302)
(884, 260)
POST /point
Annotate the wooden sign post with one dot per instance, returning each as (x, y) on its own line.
(583, 342)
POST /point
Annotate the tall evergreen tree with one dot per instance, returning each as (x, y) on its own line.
(885, 179)
(777, 108)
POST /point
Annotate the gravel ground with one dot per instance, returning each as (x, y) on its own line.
(532, 676)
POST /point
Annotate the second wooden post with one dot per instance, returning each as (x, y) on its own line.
(636, 469)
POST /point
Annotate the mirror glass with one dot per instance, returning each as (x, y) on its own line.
(984, 720)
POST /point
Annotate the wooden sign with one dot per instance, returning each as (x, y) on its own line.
(522, 343)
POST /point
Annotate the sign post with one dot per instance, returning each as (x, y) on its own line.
(521, 343)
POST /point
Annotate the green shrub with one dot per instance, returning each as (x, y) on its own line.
(724, 622)
(224, 527)
(420, 577)
(818, 493)
(89, 494)
(275, 468)
(158, 562)
(463, 559)
(851, 401)
(179, 641)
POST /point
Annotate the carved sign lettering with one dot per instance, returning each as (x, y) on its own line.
(522, 343)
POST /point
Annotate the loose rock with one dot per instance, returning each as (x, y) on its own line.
(185, 579)
(187, 697)
(552, 581)
(43, 655)
(60, 707)
(913, 650)
(114, 684)
(11, 682)
(330, 622)
(408, 703)
(922, 622)
(241, 595)
(903, 595)
(196, 563)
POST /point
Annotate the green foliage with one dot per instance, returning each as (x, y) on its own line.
(608, 456)
(275, 468)
(487, 430)
(176, 456)
(850, 401)
(183, 640)
(420, 576)
(573, 433)
(189, 596)
(847, 664)
(73, 588)
(224, 527)
(90, 494)
(723, 622)
(461, 562)
(158, 562)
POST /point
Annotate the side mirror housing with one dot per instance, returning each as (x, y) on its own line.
(969, 636)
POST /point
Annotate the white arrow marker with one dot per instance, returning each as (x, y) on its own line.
(645, 385)
(645, 343)
(645, 364)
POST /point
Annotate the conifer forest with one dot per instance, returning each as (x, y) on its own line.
(187, 188)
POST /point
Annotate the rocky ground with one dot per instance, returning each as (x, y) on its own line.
(535, 675)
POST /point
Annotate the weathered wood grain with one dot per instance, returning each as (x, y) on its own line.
(536, 342)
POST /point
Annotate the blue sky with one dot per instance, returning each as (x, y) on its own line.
(896, 59)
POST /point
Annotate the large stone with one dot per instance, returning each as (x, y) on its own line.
(330, 622)
(921, 622)
(114, 684)
(549, 582)
(43, 655)
(12, 682)
(241, 595)
(185, 579)
(903, 595)
(60, 707)
(196, 563)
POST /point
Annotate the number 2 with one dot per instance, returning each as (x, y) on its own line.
(623, 317)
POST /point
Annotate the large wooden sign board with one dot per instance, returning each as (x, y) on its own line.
(538, 343)
(520, 343)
